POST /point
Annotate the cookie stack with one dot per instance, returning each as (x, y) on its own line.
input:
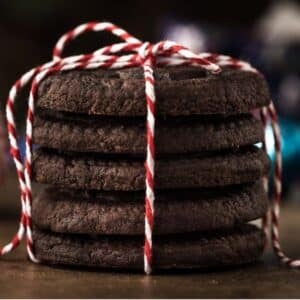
(90, 131)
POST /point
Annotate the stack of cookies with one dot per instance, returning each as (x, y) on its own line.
(90, 131)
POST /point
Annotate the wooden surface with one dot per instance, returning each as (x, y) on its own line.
(20, 278)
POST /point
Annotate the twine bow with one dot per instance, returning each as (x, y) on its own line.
(146, 55)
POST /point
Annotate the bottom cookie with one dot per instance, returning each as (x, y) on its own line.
(223, 248)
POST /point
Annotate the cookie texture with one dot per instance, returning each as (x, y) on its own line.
(85, 134)
(102, 173)
(238, 246)
(179, 91)
(175, 212)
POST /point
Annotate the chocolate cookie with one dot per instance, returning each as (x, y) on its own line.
(238, 246)
(104, 135)
(84, 171)
(175, 211)
(179, 91)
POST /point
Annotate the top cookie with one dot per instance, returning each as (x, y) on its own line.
(179, 91)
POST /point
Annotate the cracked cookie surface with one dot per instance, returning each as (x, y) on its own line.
(85, 171)
(216, 249)
(121, 213)
(179, 91)
(112, 135)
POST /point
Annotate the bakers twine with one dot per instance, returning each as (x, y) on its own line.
(3, 150)
(147, 56)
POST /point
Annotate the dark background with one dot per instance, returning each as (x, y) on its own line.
(266, 33)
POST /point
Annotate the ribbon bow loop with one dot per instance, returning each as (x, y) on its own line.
(88, 27)
(143, 51)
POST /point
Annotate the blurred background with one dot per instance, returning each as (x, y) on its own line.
(266, 33)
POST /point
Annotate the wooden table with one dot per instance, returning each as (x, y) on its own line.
(20, 278)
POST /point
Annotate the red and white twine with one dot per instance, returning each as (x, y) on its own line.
(3, 150)
(146, 55)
